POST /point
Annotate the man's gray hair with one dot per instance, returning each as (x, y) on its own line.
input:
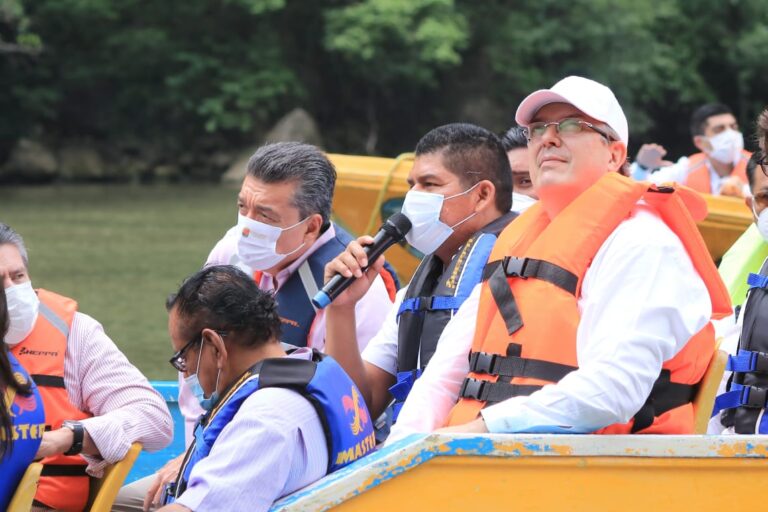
(303, 163)
(9, 236)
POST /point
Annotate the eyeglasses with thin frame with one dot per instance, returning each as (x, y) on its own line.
(179, 360)
(568, 126)
(763, 163)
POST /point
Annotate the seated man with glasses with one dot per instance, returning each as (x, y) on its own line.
(594, 316)
(274, 422)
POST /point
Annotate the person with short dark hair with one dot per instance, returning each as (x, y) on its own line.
(719, 167)
(516, 146)
(22, 419)
(461, 190)
(275, 421)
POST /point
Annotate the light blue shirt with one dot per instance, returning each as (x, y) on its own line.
(273, 446)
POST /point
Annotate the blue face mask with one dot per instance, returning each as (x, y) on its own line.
(194, 385)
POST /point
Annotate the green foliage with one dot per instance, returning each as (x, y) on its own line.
(375, 73)
(392, 40)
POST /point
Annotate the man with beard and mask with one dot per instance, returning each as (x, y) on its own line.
(458, 203)
(96, 402)
(720, 166)
(594, 316)
(283, 238)
(741, 396)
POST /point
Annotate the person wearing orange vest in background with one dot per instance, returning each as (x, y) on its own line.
(96, 402)
(595, 312)
(720, 166)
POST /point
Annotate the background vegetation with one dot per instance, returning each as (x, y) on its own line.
(177, 80)
(119, 251)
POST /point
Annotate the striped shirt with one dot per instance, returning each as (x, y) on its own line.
(101, 381)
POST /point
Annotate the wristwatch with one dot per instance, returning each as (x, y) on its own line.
(79, 433)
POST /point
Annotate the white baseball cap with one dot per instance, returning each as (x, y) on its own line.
(592, 98)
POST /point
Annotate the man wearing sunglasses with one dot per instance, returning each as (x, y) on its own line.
(275, 421)
(595, 312)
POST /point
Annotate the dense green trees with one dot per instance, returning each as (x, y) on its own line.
(193, 77)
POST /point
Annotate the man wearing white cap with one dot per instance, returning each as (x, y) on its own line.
(595, 311)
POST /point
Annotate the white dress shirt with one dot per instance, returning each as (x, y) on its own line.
(678, 173)
(641, 301)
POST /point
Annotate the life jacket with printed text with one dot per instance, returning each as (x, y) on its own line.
(698, 171)
(432, 298)
(64, 484)
(27, 427)
(339, 404)
(528, 313)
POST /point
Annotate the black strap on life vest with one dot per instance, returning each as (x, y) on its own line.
(514, 366)
(64, 470)
(665, 396)
(48, 381)
(497, 272)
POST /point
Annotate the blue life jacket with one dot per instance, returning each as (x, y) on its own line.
(297, 313)
(340, 405)
(27, 427)
(433, 296)
(746, 396)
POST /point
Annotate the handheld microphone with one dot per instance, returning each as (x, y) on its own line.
(391, 232)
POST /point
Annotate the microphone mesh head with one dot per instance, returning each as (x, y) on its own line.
(397, 225)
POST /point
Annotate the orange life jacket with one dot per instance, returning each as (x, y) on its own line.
(64, 483)
(528, 313)
(698, 171)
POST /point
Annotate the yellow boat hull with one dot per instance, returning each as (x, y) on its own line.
(534, 472)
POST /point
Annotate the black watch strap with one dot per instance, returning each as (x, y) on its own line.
(77, 440)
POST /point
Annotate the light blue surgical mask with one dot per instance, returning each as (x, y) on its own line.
(194, 385)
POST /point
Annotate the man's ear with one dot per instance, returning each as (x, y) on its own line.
(220, 349)
(618, 156)
(701, 143)
(486, 195)
(314, 225)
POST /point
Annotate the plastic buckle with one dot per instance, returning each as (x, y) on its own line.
(423, 304)
(472, 388)
(514, 266)
(756, 397)
(482, 362)
(761, 362)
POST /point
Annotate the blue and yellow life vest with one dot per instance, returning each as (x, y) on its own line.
(27, 427)
(432, 298)
(339, 404)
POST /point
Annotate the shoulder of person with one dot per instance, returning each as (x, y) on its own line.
(645, 229)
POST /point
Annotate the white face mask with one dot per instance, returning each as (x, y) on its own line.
(257, 245)
(423, 209)
(23, 306)
(727, 146)
(521, 202)
(762, 221)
